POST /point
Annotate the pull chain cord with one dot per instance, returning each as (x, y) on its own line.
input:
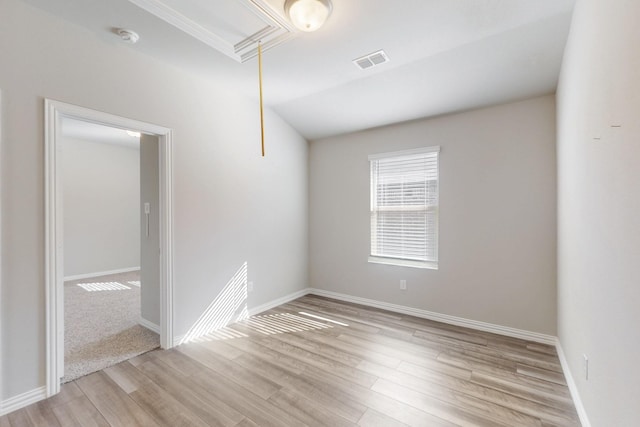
(261, 108)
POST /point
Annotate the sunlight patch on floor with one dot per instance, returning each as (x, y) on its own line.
(283, 323)
(315, 316)
(220, 335)
(103, 286)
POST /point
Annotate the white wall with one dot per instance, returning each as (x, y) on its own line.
(231, 205)
(599, 208)
(497, 216)
(101, 198)
(149, 243)
(2, 294)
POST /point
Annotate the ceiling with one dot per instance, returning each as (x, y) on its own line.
(445, 55)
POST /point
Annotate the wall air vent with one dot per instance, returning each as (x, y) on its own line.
(371, 60)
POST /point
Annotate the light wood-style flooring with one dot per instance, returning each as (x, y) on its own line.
(321, 362)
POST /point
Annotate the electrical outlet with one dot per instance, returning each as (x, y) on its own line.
(403, 285)
(586, 367)
(249, 286)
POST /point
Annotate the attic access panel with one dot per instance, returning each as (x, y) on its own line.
(233, 27)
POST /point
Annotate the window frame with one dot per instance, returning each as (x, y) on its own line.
(397, 261)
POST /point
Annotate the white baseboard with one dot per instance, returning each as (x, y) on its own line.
(149, 325)
(444, 318)
(177, 340)
(573, 388)
(22, 400)
(282, 300)
(100, 273)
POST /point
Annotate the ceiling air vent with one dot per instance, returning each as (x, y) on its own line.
(371, 60)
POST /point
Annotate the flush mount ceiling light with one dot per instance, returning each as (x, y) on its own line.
(308, 15)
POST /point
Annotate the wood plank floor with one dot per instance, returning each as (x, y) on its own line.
(321, 362)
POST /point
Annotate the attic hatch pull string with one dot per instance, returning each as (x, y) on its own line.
(261, 106)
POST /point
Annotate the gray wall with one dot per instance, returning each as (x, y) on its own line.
(150, 244)
(100, 197)
(599, 208)
(231, 206)
(497, 216)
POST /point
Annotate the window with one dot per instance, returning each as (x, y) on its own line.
(404, 208)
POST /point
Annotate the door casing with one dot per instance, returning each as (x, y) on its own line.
(54, 254)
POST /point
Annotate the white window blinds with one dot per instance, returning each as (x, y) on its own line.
(404, 207)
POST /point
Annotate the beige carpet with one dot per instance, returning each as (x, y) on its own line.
(101, 327)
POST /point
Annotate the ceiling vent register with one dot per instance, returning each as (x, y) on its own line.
(371, 60)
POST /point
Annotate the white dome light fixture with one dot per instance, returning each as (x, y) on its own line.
(308, 15)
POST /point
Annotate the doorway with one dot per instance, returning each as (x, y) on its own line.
(108, 175)
(55, 113)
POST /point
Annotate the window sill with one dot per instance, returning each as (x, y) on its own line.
(404, 262)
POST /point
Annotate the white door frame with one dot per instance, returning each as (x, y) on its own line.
(54, 282)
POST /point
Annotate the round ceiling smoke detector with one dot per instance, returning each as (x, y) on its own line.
(128, 36)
